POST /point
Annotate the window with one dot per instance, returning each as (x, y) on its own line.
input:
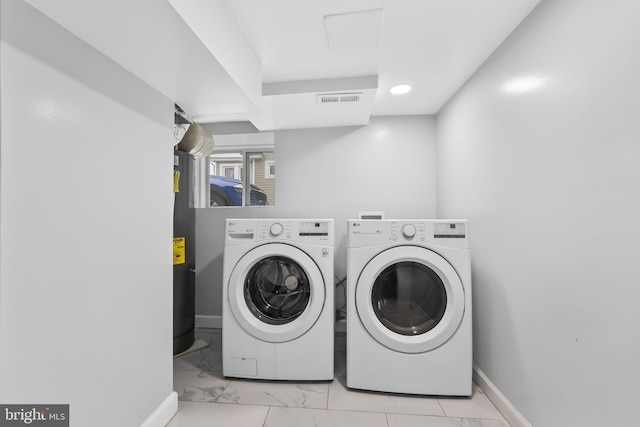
(238, 160)
(270, 169)
(232, 171)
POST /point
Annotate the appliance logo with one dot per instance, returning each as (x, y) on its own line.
(34, 415)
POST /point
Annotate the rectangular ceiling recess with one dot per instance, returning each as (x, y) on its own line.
(359, 29)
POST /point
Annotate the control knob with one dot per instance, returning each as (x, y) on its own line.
(276, 229)
(408, 231)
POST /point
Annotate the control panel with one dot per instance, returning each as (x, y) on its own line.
(314, 228)
(449, 230)
(279, 229)
(408, 231)
(294, 230)
(380, 232)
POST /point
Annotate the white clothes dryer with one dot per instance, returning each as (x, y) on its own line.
(409, 306)
(278, 299)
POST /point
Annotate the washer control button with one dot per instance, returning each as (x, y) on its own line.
(276, 229)
(408, 231)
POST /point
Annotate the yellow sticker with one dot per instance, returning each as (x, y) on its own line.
(178, 251)
(176, 181)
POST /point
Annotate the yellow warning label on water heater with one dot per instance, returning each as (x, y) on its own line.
(176, 181)
(178, 251)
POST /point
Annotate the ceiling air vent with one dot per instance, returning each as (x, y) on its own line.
(338, 98)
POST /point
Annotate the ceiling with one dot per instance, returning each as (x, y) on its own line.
(434, 45)
(266, 62)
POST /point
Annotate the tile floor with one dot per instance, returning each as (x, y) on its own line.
(208, 399)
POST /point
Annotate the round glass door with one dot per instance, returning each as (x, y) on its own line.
(277, 290)
(410, 299)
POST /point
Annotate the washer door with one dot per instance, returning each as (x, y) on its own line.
(276, 292)
(410, 299)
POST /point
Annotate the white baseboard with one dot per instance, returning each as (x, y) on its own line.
(163, 413)
(509, 412)
(208, 321)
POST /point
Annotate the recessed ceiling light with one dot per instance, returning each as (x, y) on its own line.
(400, 89)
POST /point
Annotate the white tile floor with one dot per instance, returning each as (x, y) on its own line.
(208, 399)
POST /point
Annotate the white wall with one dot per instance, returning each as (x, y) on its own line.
(387, 166)
(86, 227)
(549, 179)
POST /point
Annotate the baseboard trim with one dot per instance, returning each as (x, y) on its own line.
(208, 321)
(163, 413)
(509, 412)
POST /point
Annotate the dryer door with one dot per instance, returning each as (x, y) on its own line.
(410, 299)
(276, 292)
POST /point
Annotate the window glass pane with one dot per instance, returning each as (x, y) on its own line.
(263, 185)
(227, 178)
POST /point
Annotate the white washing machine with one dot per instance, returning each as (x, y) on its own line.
(409, 306)
(278, 299)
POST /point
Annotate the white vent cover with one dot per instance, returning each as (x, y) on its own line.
(338, 98)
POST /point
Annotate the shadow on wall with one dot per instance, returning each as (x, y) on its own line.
(97, 76)
(213, 269)
(490, 300)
